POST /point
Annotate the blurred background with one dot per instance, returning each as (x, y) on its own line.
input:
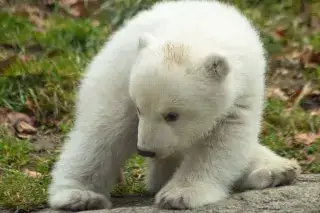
(45, 46)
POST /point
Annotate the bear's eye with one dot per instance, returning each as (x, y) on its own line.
(171, 116)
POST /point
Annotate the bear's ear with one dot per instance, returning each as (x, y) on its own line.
(216, 66)
(145, 39)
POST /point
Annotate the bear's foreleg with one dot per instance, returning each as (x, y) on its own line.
(160, 171)
(209, 168)
(103, 137)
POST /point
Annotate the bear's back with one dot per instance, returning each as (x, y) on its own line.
(196, 22)
(208, 26)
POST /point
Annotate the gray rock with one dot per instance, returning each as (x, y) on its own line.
(300, 197)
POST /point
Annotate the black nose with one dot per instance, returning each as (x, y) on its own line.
(147, 154)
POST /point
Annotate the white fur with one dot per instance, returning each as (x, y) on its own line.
(202, 60)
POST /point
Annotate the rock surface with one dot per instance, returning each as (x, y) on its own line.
(300, 197)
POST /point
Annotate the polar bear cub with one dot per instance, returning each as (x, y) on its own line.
(183, 85)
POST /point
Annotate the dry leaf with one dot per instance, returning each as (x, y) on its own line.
(25, 128)
(79, 8)
(15, 117)
(310, 158)
(300, 94)
(277, 93)
(38, 22)
(315, 24)
(69, 2)
(21, 124)
(315, 57)
(4, 115)
(307, 138)
(310, 58)
(26, 58)
(32, 174)
(95, 23)
(29, 103)
(34, 14)
(280, 31)
(315, 112)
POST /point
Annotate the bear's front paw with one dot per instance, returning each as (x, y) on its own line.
(187, 197)
(78, 200)
(282, 172)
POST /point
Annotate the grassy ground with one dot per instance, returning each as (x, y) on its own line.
(41, 62)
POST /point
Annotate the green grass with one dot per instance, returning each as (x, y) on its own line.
(279, 129)
(17, 188)
(48, 81)
(58, 58)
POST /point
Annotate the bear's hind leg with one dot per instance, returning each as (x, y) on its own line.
(268, 169)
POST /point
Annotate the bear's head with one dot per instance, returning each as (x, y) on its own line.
(179, 93)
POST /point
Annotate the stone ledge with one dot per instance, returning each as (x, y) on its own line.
(301, 197)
